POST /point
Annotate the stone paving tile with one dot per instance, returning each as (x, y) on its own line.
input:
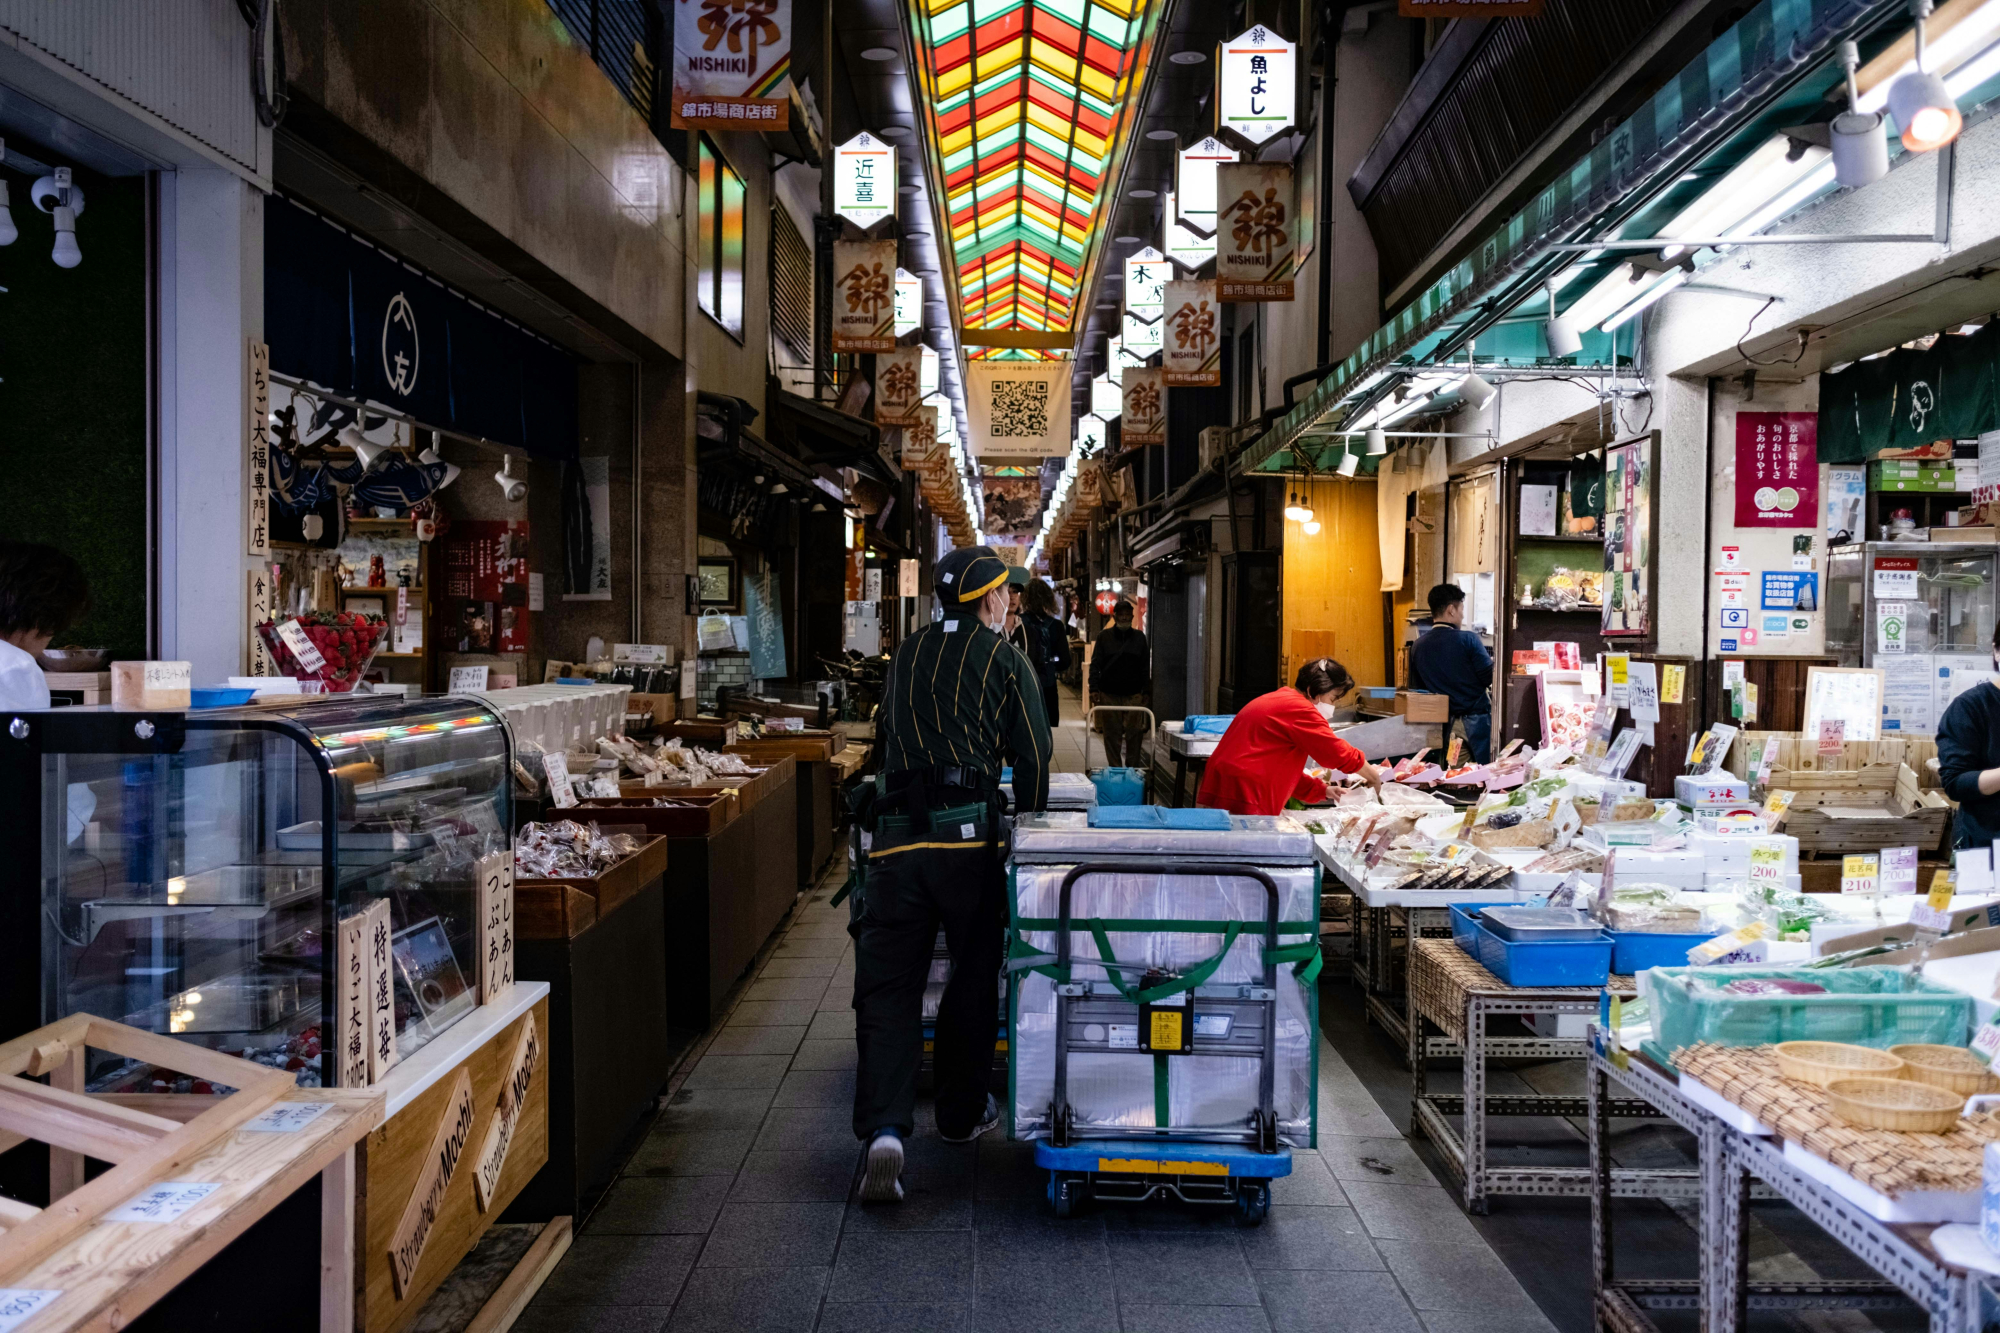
(540, 1318)
(891, 1266)
(621, 1270)
(1324, 1302)
(697, 1152)
(1192, 1318)
(1454, 1277)
(749, 1300)
(892, 1317)
(832, 1025)
(1396, 1212)
(786, 988)
(757, 1041)
(1310, 1182)
(1311, 1237)
(1032, 1308)
(1181, 1268)
(830, 947)
(1461, 1321)
(825, 1055)
(816, 1087)
(660, 1206)
(738, 1071)
(750, 1235)
(823, 1175)
(715, 1108)
(809, 1127)
(772, 1013)
(799, 967)
(1383, 1161)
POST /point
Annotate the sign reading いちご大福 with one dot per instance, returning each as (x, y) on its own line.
(732, 64)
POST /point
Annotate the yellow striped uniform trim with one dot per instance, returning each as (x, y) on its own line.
(964, 596)
(968, 844)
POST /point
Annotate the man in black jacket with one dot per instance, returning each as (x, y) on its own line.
(1968, 746)
(1121, 676)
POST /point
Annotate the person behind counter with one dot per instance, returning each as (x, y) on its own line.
(1968, 751)
(42, 593)
(1451, 660)
(1260, 762)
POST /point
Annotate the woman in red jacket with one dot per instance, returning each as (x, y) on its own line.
(1260, 763)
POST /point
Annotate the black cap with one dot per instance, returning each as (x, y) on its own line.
(969, 573)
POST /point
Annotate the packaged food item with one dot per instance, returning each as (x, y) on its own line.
(1772, 986)
(566, 849)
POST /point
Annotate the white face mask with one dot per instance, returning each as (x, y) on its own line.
(1325, 711)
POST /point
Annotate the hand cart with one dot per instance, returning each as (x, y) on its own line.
(1162, 1017)
(1152, 727)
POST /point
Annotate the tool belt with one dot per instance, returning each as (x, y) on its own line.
(903, 807)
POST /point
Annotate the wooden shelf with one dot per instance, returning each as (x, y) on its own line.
(407, 657)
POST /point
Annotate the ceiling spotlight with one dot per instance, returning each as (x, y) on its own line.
(1924, 108)
(364, 448)
(1124, 240)
(1350, 463)
(1187, 57)
(1144, 194)
(1474, 391)
(1161, 135)
(1564, 340)
(1860, 148)
(1378, 443)
(512, 488)
(60, 196)
(757, 480)
(894, 131)
(878, 54)
(779, 488)
(912, 189)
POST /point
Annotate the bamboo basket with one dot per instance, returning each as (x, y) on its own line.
(1895, 1104)
(1952, 1068)
(1827, 1062)
(1911, 816)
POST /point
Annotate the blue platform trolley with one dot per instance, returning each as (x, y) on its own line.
(1166, 1045)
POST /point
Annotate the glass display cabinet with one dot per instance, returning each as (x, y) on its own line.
(182, 872)
(1923, 612)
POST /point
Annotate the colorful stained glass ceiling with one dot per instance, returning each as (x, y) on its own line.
(1029, 112)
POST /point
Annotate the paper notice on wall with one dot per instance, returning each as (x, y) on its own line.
(1896, 578)
(1673, 683)
(1909, 687)
(535, 596)
(1732, 675)
(1892, 627)
(1617, 667)
(1643, 692)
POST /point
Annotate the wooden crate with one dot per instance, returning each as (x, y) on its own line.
(700, 815)
(1797, 752)
(618, 883)
(1911, 816)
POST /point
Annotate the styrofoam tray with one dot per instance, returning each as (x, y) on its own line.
(1918, 1206)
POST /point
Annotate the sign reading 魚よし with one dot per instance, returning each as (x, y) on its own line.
(1777, 470)
(732, 64)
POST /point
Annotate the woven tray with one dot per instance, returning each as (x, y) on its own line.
(1886, 1161)
(1442, 975)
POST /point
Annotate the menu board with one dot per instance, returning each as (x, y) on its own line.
(1628, 538)
(1851, 696)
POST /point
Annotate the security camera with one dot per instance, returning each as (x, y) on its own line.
(511, 486)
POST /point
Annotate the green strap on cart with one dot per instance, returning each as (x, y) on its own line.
(1186, 981)
(1305, 956)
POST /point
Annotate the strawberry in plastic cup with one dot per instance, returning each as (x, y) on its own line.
(346, 640)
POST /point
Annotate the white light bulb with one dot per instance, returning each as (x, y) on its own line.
(66, 253)
(9, 233)
(1312, 528)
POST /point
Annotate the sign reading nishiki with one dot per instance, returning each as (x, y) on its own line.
(732, 64)
(864, 296)
(1777, 469)
(1193, 334)
(1145, 420)
(898, 385)
(1255, 247)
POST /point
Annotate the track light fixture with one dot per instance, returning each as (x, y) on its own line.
(1378, 442)
(60, 196)
(1564, 339)
(1924, 108)
(1860, 147)
(1350, 463)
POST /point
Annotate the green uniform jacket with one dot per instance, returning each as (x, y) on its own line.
(958, 693)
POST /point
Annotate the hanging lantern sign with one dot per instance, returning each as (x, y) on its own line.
(897, 387)
(1090, 433)
(927, 372)
(920, 438)
(1141, 339)
(1123, 359)
(1145, 280)
(1257, 96)
(864, 180)
(1194, 182)
(732, 65)
(1105, 399)
(1256, 257)
(1145, 407)
(909, 301)
(1194, 334)
(864, 296)
(1185, 246)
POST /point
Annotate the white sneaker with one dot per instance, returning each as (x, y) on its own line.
(987, 1120)
(882, 1181)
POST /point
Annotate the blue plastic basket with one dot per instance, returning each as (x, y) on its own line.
(1207, 724)
(1465, 929)
(1119, 786)
(1546, 963)
(1633, 951)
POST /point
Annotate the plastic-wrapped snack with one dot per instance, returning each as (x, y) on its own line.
(1563, 590)
(566, 849)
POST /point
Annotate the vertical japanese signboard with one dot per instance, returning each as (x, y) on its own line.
(257, 454)
(864, 180)
(864, 296)
(1255, 231)
(1256, 97)
(1145, 420)
(909, 302)
(1193, 334)
(1146, 275)
(1194, 184)
(1777, 469)
(1628, 537)
(898, 385)
(732, 64)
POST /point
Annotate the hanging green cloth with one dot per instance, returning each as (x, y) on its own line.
(1910, 398)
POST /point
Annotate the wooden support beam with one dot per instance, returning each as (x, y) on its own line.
(79, 1123)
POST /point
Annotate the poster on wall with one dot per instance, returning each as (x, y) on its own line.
(1193, 334)
(1846, 495)
(587, 531)
(764, 610)
(732, 64)
(486, 580)
(898, 385)
(1777, 469)
(1018, 407)
(1628, 533)
(1145, 419)
(1013, 508)
(864, 296)
(1255, 252)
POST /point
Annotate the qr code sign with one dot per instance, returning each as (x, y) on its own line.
(1020, 409)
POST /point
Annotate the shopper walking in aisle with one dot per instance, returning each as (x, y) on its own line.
(1121, 676)
(1015, 632)
(42, 593)
(1260, 762)
(1451, 660)
(1968, 751)
(1048, 643)
(957, 705)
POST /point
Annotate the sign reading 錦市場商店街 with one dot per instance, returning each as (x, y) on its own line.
(1777, 470)
(732, 64)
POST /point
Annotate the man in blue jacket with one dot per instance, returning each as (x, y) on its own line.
(1451, 660)
(1968, 746)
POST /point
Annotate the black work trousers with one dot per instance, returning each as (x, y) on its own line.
(944, 875)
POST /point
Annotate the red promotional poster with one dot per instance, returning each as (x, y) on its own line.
(1777, 470)
(486, 565)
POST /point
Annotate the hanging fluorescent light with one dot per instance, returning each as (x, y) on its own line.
(1655, 293)
(1378, 443)
(1563, 338)
(1924, 108)
(1860, 148)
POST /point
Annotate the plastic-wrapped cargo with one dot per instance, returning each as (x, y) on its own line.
(1118, 1091)
(1072, 791)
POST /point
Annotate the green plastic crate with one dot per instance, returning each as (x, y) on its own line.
(1866, 1006)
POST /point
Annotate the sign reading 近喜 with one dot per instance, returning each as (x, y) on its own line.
(864, 180)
